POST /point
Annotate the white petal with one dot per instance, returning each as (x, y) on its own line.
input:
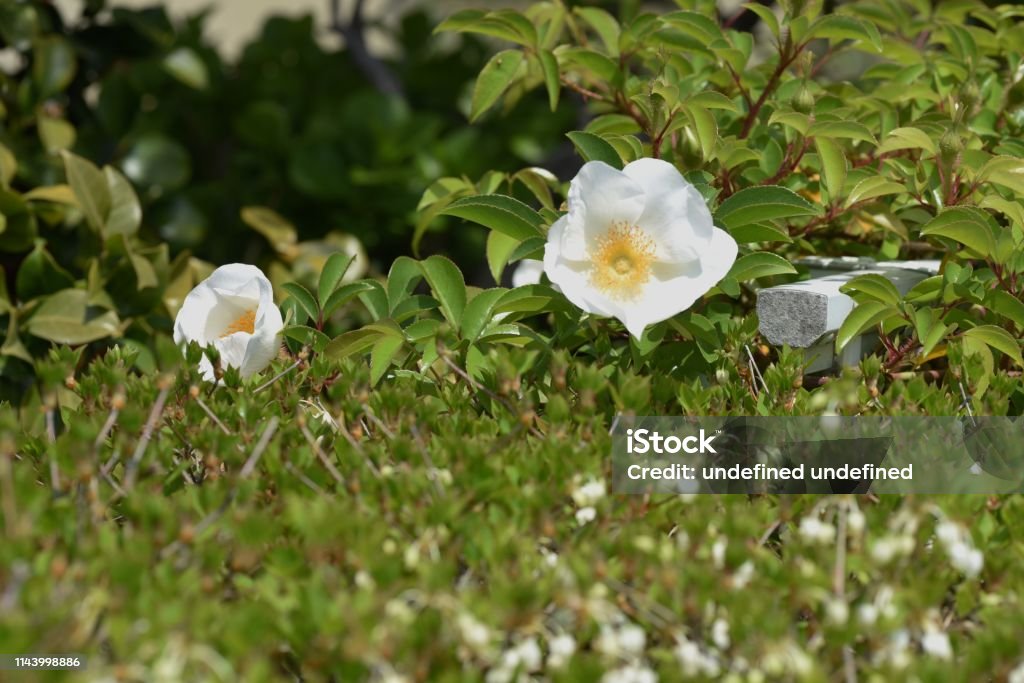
(675, 214)
(572, 277)
(599, 196)
(265, 343)
(190, 323)
(528, 272)
(674, 289)
(237, 278)
(232, 349)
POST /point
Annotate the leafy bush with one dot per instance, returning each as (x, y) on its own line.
(422, 496)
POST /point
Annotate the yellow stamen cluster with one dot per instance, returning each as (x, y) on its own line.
(245, 323)
(622, 261)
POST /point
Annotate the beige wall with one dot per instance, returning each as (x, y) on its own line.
(233, 22)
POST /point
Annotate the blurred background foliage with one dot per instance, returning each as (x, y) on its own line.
(278, 156)
(201, 137)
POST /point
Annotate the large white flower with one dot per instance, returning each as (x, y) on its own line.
(637, 244)
(233, 310)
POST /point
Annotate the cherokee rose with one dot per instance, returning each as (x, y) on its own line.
(637, 244)
(233, 310)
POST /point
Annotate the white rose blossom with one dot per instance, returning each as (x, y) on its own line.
(637, 244)
(233, 310)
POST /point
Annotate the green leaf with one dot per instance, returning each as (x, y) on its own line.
(1006, 171)
(91, 189)
(846, 130)
(479, 312)
(55, 134)
(766, 15)
(403, 277)
(997, 338)
(381, 356)
(549, 65)
(593, 148)
(967, 225)
(499, 247)
(862, 317)
(833, 165)
(304, 298)
(496, 24)
(844, 27)
(875, 286)
(871, 187)
(907, 138)
(8, 166)
(54, 65)
(595, 62)
(186, 66)
(760, 264)
(498, 212)
(529, 300)
(706, 127)
(278, 230)
(344, 294)
(1006, 305)
(758, 204)
(39, 275)
(332, 275)
(125, 215)
(759, 232)
(495, 78)
(351, 343)
(58, 194)
(448, 286)
(604, 24)
(67, 318)
(307, 336)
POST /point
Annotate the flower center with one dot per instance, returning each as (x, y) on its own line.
(622, 261)
(244, 323)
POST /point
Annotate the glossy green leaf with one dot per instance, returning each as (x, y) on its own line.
(593, 148)
(498, 212)
(760, 264)
(862, 317)
(67, 318)
(304, 298)
(758, 204)
(332, 275)
(967, 225)
(91, 189)
(494, 80)
(997, 338)
(479, 311)
(448, 286)
(875, 286)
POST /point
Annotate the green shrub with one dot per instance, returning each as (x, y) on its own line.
(421, 496)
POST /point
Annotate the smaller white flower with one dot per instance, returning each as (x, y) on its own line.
(632, 673)
(590, 493)
(585, 515)
(743, 575)
(1017, 675)
(867, 614)
(720, 634)
(936, 643)
(233, 310)
(966, 559)
(561, 648)
(817, 531)
(528, 272)
(474, 634)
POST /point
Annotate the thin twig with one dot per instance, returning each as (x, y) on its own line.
(212, 415)
(754, 369)
(428, 461)
(147, 434)
(277, 377)
(321, 455)
(261, 446)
